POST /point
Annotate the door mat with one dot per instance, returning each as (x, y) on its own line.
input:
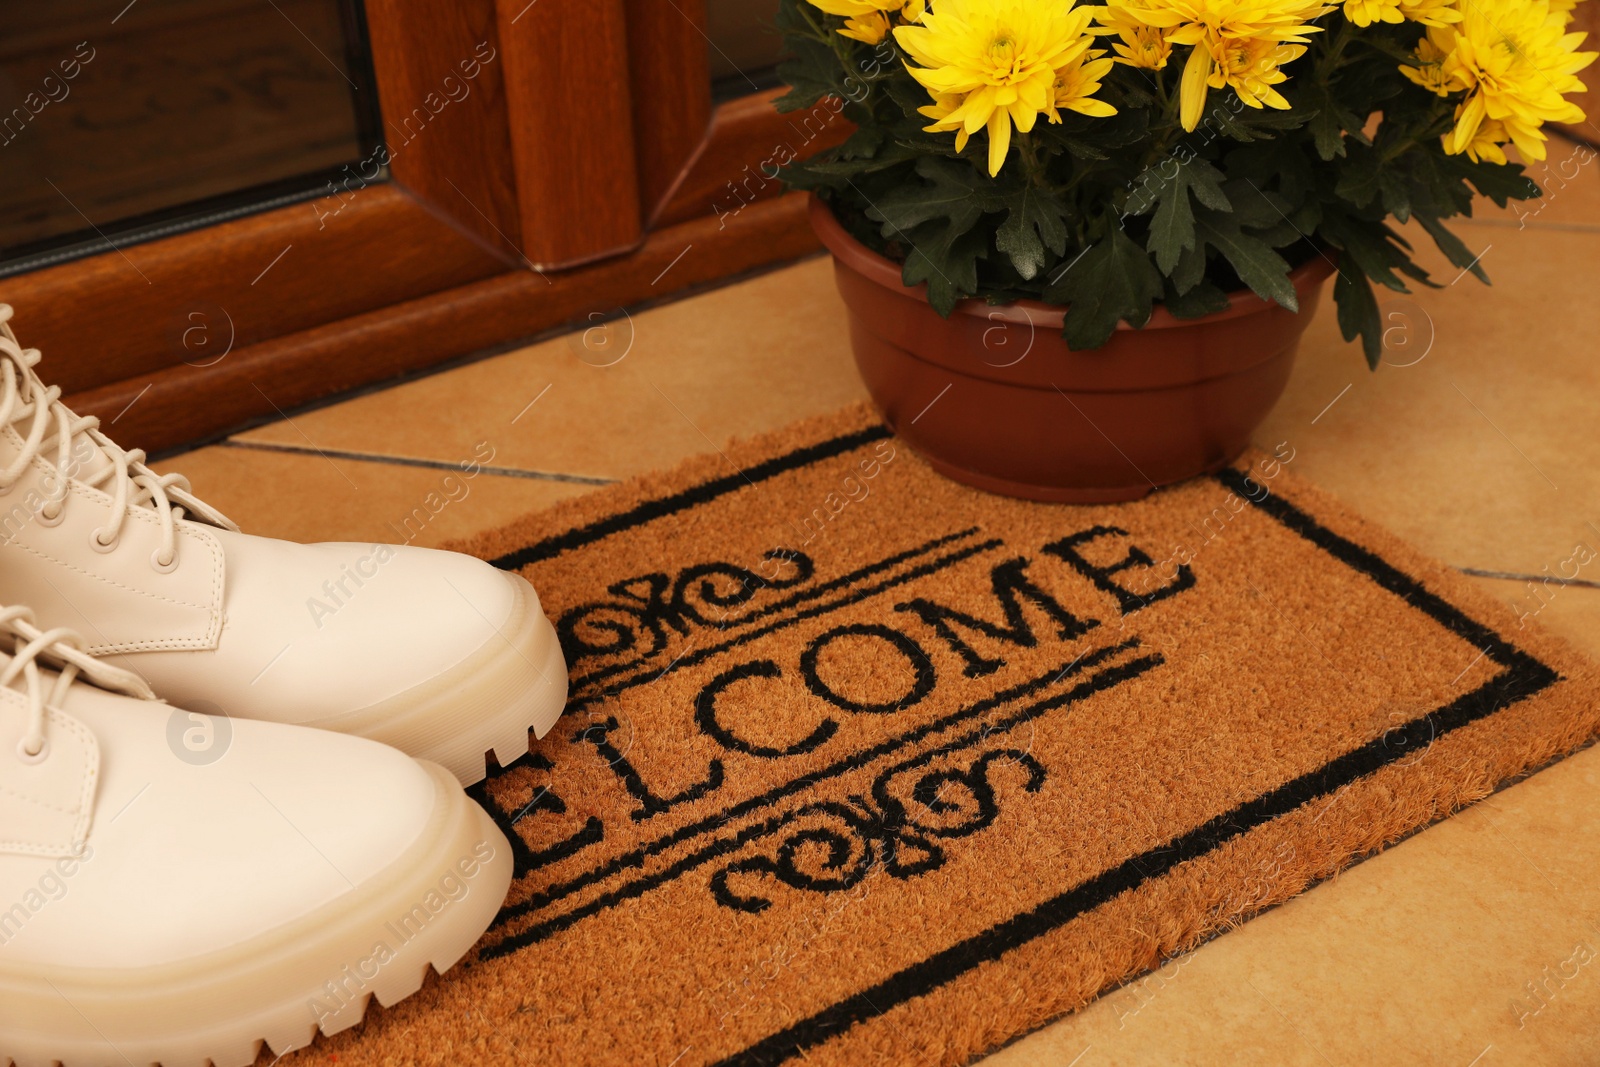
(863, 766)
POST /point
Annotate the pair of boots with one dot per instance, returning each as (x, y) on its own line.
(289, 836)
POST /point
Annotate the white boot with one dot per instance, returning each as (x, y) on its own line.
(435, 653)
(177, 888)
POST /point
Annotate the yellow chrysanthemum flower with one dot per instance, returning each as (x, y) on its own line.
(1250, 66)
(1485, 144)
(1140, 45)
(1430, 12)
(1078, 81)
(1429, 71)
(1515, 60)
(868, 20)
(871, 28)
(1218, 30)
(1366, 12)
(995, 64)
(1563, 9)
(855, 9)
(1427, 12)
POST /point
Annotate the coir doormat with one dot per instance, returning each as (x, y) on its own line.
(863, 766)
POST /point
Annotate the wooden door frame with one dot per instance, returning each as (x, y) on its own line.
(482, 220)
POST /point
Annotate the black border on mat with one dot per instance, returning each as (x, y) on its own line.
(693, 496)
(1523, 676)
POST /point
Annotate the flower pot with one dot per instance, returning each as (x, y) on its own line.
(993, 397)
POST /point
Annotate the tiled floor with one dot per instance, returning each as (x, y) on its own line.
(1474, 944)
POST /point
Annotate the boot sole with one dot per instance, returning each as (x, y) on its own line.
(515, 683)
(279, 989)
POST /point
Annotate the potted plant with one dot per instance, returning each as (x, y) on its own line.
(1079, 244)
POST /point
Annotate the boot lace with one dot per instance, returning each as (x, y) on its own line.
(24, 396)
(61, 649)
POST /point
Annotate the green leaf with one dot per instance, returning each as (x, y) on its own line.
(1205, 181)
(812, 72)
(890, 156)
(1241, 123)
(1437, 186)
(1036, 222)
(1171, 231)
(1328, 121)
(1191, 269)
(1290, 175)
(953, 194)
(1454, 249)
(1326, 134)
(1358, 177)
(1076, 147)
(1500, 182)
(804, 91)
(908, 95)
(1083, 137)
(1375, 248)
(1201, 300)
(1172, 175)
(1358, 310)
(1172, 227)
(947, 261)
(1257, 265)
(1253, 207)
(863, 144)
(1113, 280)
(1284, 234)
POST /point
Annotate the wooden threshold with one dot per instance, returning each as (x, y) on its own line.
(185, 403)
(238, 284)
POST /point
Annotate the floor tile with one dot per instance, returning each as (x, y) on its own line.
(1475, 439)
(639, 392)
(1474, 943)
(306, 497)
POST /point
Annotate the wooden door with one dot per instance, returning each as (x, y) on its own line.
(540, 160)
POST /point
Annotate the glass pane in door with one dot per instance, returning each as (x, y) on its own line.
(745, 46)
(124, 120)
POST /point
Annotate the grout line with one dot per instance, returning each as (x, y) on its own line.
(1532, 224)
(1477, 572)
(407, 461)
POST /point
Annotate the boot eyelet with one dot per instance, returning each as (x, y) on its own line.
(35, 758)
(99, 545)
(43, 518)
(163, 568)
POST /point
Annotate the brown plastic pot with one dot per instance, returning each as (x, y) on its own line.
(993, 397)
